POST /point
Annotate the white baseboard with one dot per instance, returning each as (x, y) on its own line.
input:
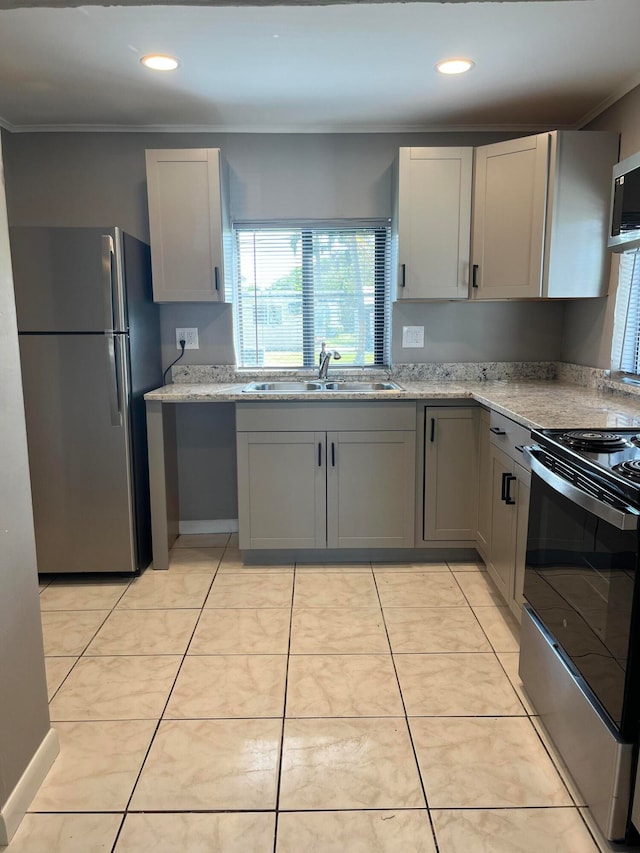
(22, 795)
(216, 525)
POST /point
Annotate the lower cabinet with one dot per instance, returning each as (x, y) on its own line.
(342, 488)
(483, 531)
(282, 489)
(506, 494)
(450, 473)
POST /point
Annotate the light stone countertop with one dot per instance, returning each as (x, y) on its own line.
(542, 403)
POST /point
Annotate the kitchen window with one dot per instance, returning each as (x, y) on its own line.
(298, 284)
(625, 356)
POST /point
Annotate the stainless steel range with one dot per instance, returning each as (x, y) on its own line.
(580, 646)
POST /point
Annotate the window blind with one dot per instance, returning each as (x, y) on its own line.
(625, 356)
(298, 284)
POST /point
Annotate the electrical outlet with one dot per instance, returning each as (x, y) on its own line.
(413, 336)
(188, 335)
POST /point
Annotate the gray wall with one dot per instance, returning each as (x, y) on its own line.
(24, 714)
(99, 179)
(588, 328)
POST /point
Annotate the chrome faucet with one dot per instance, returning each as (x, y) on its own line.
(324, 358)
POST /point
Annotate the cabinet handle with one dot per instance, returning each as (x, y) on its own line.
(519, 448)
(333, 455)
(503, 494)
(319, 454)
(216, 277)
(507, 490)
(497, 431)
(474, 276)
(403, 279)
(433, 429)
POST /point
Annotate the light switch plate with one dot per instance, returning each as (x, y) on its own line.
(188, 335)
(413, 336)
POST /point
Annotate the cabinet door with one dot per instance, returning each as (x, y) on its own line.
(434, 222)
(371, 489)
(510, 191)
(483, 533)
(523, 493)
(503, 523)
(282, 489)
(186, 221)
(450, 475)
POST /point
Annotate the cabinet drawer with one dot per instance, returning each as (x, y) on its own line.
(508, 436)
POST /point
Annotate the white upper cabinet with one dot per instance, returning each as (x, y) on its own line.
(431, 223)
(540, 216)
(189, 224)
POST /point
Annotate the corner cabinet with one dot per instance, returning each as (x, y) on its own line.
(189, 224)
(317, 475)
(431, 223)
(540, 216)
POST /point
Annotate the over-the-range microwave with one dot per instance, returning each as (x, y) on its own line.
(624, 233)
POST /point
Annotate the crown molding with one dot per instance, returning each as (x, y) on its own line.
(193, 128)
(629, 84)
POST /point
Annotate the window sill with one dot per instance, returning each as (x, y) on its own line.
(312, 372)
(620, 384)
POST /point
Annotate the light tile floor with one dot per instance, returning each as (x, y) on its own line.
(311, 709)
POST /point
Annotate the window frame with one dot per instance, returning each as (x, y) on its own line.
(381, 229)
(625, 346)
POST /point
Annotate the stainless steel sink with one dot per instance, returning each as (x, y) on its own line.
(280, 387)
(361, 387)
(292, 387)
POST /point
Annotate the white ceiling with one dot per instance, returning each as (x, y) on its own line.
(335, 68)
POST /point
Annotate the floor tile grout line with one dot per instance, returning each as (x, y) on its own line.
(373, 809)
(406, 719)
(555, 765)
(157, 727)
(284, 716)
(118, 833)
(180, 665)
(504, 669)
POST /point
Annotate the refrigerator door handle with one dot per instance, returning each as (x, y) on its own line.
(108, 257)
(113, 388)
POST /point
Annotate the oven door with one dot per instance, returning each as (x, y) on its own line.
(580, 573)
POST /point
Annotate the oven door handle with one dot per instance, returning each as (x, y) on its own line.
(617, 517)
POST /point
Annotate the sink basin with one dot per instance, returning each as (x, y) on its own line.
(361, 387)
(284, 387)
(280, 387)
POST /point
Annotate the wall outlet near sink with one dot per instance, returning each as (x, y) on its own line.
(413, 336)
(188, 335)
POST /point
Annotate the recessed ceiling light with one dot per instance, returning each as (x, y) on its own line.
(454, 66)
(160, 62)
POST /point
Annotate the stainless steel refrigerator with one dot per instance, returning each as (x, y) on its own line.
(90, 348)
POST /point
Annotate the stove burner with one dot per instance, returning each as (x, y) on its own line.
(593, 441)
(629, 469)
